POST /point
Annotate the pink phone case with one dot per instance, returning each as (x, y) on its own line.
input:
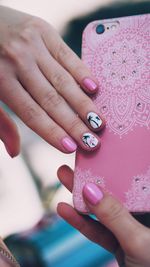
(120, 60)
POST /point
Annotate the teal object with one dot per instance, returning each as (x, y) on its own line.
(57, 245)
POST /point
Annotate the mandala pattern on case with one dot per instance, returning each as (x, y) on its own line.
(81, 178)
(121, 65)
(138, 196)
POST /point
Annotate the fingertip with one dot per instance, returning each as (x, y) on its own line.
(90, 85)
(62, 209)
(59, 208)
(65, 171)
(92, 193)
(12, 143)
(60, 171)
(95, 121)
(90, 141)
(69, 144)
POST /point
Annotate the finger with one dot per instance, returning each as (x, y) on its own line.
(55, 106)
(9, 134)
(67, 58)
(90, 228)
(67, 87)
(65, 175)
(6, 259)
(34, 117)
(118, 220)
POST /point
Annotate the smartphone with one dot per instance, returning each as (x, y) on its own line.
(118, 53)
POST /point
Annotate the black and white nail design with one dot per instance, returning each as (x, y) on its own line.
(94, 120)
(90, 140)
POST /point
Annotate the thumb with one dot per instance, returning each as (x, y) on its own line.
(9, 134)
(132, 236)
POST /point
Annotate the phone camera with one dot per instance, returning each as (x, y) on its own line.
(100, 29)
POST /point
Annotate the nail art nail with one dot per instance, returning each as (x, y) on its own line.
(92, 193)
(90, 140)
(69, 144)
(94, 120)
(90, 84)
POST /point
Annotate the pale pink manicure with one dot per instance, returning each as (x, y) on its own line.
(90, 84)
(92, 193)
(69, 144)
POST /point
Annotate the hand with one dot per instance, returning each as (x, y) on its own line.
(117, 230)
(9, 134)
(39, 80)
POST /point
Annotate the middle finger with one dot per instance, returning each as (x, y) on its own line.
(66, 86)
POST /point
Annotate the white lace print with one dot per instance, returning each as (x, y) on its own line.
(138, 196)
(81, 178)
(121, 65)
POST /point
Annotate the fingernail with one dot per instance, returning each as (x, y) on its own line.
(90, 84)
(94, 120)
(90, 140)
(69, 144)
(92, 193)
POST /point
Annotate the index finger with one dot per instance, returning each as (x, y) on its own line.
(69, 60)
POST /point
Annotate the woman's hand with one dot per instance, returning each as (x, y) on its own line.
(39, 80)
(117, 230)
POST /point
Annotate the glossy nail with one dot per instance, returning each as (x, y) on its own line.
(94, 120)
(92, 193)
(90, 140)
(69, 144)
(90, 84)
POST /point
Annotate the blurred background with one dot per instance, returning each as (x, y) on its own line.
(29, 187)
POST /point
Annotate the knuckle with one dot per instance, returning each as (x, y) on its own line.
(139, 241)
(111, 210)
(27, 34)
(38, 23)
(80, 67)
(53, 132)
(51, 99)
(31, 114)
(62, 52)
(84, 104)
(60, 80)
(75, 125)
(31, 29)
(13, 50)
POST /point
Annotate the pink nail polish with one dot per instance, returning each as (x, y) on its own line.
(90, 84)
(92, 193)
(69, 144)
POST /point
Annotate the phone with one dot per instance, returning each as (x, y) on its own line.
(118, 53)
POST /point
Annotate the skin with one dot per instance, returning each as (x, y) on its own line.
(40, 77)
(9, 132)
(116, 229)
